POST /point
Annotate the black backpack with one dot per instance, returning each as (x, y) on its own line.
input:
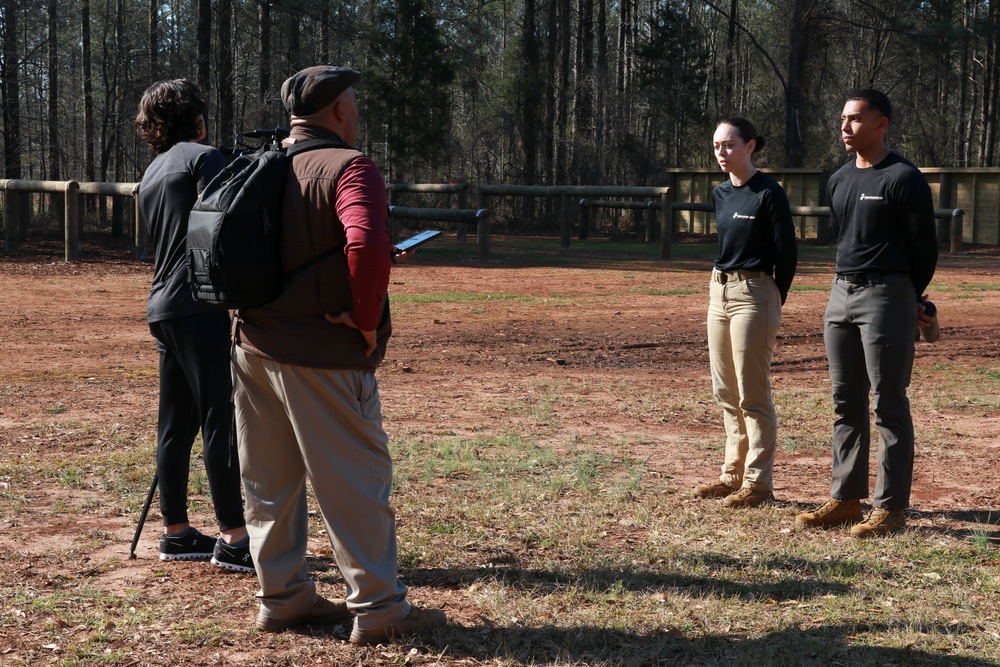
(234, 230)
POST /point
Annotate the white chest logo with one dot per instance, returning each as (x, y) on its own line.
(865, 197)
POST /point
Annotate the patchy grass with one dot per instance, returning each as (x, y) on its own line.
(545, 506)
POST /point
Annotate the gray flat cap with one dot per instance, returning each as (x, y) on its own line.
(314, 88)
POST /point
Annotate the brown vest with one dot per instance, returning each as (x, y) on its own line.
(293, 329)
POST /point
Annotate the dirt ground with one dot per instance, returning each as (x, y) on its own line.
(75, 348)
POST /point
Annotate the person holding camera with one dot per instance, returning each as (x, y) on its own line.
(749, 284)
(307, 399)
(192, 339)
(882, 215)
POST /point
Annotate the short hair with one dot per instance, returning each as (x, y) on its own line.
(745, 129)
(168, 113)
(875, 99)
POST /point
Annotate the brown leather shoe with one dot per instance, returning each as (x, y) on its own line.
(416, 621)
(833, 512)
(322, 612)
(879, 523)
(747, 497)
(716, 489)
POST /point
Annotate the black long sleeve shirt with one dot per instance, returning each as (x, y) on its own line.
(883, 220)
(755, 229)
(168, 190)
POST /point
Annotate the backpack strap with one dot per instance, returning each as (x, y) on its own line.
(309, 263)
(312, 144)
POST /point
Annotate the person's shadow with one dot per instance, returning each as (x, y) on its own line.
(818, 645)
(813, 643)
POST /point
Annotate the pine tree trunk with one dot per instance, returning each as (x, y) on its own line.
(10, 92)
(53, 106)
(224, 95)
(264, 65)
(204, 38)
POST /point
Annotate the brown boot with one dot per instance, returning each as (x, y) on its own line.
(414, 622)
(879, 523)
(747, 497)
(833, 512)
(717, 489)
(322, 612)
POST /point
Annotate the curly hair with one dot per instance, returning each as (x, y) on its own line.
(168, 113)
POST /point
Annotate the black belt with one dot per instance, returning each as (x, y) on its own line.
(737, 276)
(861, 277)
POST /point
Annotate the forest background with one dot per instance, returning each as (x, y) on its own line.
(507, 91)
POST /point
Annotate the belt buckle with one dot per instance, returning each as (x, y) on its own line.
(859, 279)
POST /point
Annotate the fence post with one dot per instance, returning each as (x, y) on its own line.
(393, 227)
(944, 201)
(651, 221)
(823, 222)
(117, 217)
(23, 214)
(666, 222)
(72, 197)
(957, 219)
(11, 225)
(584, 220)
(565, 223)
(463, 200)
(483, 234)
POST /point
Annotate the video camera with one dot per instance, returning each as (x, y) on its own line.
(252, 141)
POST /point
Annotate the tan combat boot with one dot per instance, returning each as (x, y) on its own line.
(747, 497)
(716, 489)
(833, 512)
(879, 523)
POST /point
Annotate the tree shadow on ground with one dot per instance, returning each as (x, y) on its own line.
(988, 517)
(807, 643)
(822, 646)
(794, 579)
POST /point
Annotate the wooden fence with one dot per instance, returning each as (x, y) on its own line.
(682, 205)
(974, 190)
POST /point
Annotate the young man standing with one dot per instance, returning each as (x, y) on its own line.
(882, 215)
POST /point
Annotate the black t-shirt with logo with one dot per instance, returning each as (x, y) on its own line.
(883, 220)
(755, 229)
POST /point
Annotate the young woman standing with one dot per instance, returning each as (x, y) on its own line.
(750, 281)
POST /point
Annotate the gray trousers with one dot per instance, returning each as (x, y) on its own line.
(868, 331)
(295, 423)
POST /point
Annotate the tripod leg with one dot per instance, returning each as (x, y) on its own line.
(142, 517)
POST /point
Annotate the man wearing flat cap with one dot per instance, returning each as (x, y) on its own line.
(307, 400)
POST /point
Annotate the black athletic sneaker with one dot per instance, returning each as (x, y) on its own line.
(234, 557)
(189, 545)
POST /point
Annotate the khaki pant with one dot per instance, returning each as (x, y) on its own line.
(295, 423)
(743, 321)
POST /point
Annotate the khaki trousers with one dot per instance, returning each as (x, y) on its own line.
(743, 321)
(295, 423)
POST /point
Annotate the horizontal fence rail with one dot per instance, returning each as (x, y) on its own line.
(481, 217)
(567, 211)
(672, 206)
(954, 218)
